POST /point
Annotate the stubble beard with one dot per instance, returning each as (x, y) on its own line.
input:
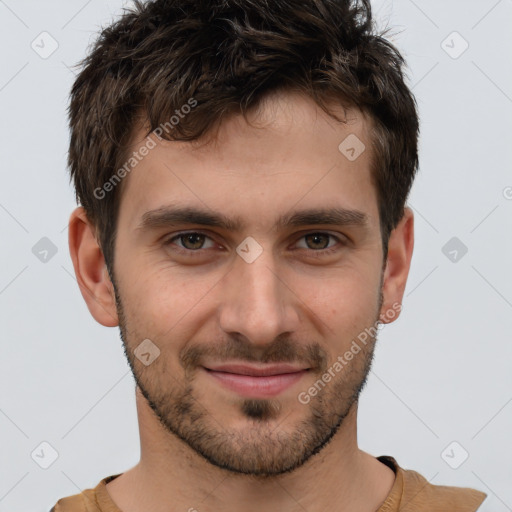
(266, 446)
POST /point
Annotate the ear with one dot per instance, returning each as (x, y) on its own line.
(91, 270)
(398, 262)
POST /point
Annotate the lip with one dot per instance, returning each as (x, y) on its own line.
(256, 381)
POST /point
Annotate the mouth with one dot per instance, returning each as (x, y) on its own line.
(256, 381)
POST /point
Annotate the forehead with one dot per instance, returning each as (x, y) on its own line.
(288, 151)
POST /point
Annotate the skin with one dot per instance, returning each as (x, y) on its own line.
(206, 447)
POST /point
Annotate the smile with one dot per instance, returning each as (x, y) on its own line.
(256, 381)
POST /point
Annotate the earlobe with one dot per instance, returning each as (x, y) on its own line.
(400, 249)
(90, 269)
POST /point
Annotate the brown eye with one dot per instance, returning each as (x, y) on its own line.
(317, 240)
(192, 240)
(319, 244)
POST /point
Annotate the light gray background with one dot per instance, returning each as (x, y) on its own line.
(442, 372)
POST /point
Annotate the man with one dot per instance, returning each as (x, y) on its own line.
(242, 169)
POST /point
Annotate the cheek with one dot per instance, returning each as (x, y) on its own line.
(343, 307)
(163, 303)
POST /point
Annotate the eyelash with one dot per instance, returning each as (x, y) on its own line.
(198, 252)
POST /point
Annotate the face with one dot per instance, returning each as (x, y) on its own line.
(251, 264)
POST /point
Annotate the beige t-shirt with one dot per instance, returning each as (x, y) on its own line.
(411, 492)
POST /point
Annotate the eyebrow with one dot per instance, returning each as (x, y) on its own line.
(168, 216)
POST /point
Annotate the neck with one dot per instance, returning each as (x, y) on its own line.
(340, 477)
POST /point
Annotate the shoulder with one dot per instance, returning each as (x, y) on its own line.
(412, 492)
(75, 503)
(89, 500)
(418, 493)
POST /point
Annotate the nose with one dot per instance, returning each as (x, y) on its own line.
(257, 302)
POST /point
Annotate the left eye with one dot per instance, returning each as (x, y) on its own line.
(318, 239)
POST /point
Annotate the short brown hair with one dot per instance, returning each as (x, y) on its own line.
(227, 55)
